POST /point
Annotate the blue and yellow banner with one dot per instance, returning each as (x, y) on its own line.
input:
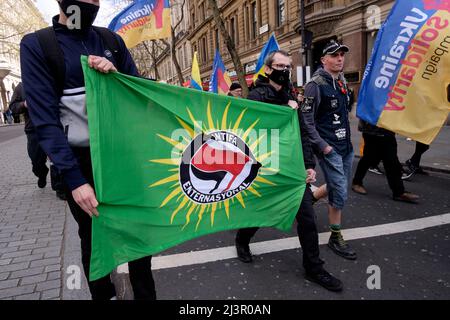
(271, 45)
(143, 20)
(196, 81)
(220, 81)
(406, 82)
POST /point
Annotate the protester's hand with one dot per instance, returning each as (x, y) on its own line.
(327, 150)
(101, 64)
(310, 175)
(84, 196)
(293, 104)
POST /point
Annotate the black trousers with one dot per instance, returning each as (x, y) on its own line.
(139, 270)
(37, 156)
(420, 150)
(306, 230)
(376, 149)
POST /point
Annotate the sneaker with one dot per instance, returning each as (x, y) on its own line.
(409, 170)
(340, 247)
(42, 182)
(243, 252)
(325, 279)
(405, 176)
(376, 170)
(359, 189)
(61, 195)
(407, 197)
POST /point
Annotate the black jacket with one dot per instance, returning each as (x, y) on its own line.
(17, 106)
(61, 121)
(325, 110)
(265, 92)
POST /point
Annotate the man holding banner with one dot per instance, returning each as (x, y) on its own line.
(274, 88)
(57, 107)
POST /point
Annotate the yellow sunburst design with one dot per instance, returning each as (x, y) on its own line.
(176, 194)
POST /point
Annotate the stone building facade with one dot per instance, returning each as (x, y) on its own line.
(17, 18)
(251, 22)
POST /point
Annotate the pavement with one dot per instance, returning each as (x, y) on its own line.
(436, 159)
(40, 257)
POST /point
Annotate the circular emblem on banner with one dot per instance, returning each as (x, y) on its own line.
(217, 166)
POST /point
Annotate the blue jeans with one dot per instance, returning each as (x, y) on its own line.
(337, 170)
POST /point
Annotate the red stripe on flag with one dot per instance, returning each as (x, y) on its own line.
(221, 83)
(158, 11)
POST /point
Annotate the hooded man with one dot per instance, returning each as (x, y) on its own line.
(60, 119)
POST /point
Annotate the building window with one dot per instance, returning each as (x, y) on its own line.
(180, 57)
(216, 36)
(204, 50)
(247, 33)
(232, 30)
(254, 20)
(281, 12)
(236, 28)
(185, 60)
(202, 11)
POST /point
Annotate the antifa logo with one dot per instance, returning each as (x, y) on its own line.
(437, 5)
(216, 167)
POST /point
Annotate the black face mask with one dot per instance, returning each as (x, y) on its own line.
(88, 13)
(281, 77)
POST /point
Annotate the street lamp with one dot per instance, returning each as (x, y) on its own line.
(306, 43)
(303, 32)
(5, 69)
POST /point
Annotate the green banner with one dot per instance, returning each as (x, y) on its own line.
(171, 164)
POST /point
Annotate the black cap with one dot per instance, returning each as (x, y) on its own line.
(235, 85)
(333, 47)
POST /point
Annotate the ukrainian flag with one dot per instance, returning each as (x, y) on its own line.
(271, 45)
(220, 81)
(143, 20)
(196, 81)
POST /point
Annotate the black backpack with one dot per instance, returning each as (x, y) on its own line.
(54, 56)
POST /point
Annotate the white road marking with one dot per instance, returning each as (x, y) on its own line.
(257, 248)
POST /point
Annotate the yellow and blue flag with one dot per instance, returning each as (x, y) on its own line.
(196, 81)
(406, 82)
(143, 20)
(220, 81)
(271, 45)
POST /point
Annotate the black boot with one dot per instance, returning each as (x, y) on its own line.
(243, 252)
(340, 247)
(325, 279)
